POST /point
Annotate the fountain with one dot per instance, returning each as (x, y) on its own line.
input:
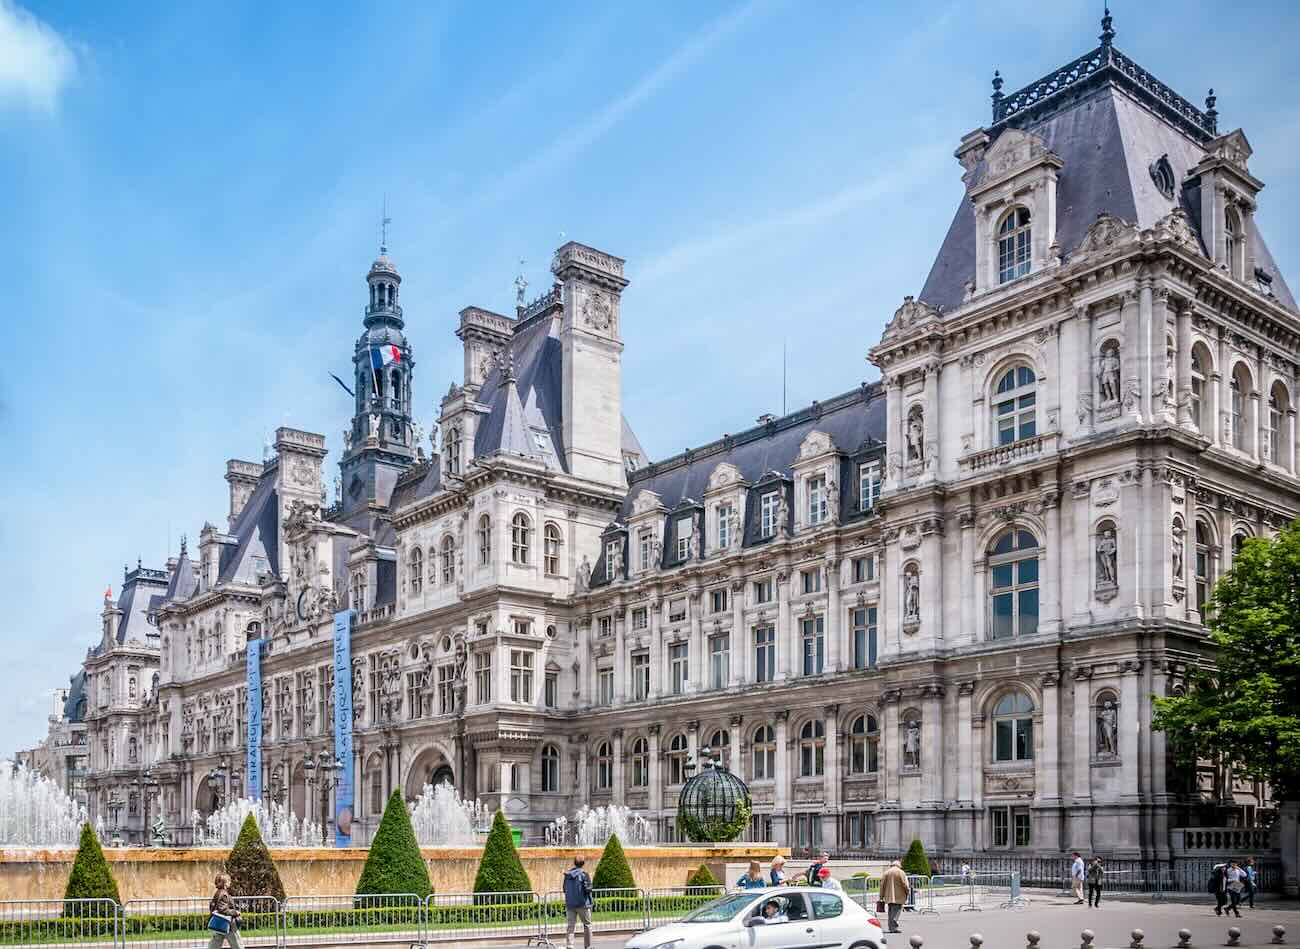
(278, 825)
(34, 811)
(440, 818)
(592, 827)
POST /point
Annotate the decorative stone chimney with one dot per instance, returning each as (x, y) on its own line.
(242, 476)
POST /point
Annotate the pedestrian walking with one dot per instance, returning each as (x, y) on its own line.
(813, 875)
(1250, 881)
(1235, 883)
(1077, 873)
(777, 873)
(965, 873)
(577, 903)
(753, 878)
(893, 893)
(1095, 872)
(1218, 886)
(223, 918)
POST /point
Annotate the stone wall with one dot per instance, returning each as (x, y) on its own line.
(141, 874)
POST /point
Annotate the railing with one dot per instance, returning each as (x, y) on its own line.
(1220, 839)
(1007, 454)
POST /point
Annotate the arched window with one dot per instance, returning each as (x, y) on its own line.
(640, 763)
(720, 745)
(452, 448)
(484, 540)
(416, 568)
(1013, 245)
(520, 538)
(677, 749)
(550, 769)
(358, 591)
(1204, 577)
(864, 745)
(1014, 411)
(397, 388)
(1238, 541)
(448, 560)
(764, 753)
(552, 549)
(812, 749)
(1240, 389)
(1200, 363)
(1013, 584)
(1234, 241)
(604, 767)
(1279, 444)
(1013, 728)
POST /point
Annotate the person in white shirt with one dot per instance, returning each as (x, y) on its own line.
(827, 881)
(1077, 874)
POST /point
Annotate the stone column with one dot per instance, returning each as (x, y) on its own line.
(1082, 721)
(622, 623)
(1088, 366)
(895, 424)
(781, 792)
(1290, 460)
(1133, 351)
(737, 763)
(1052, 565)
(1223, 376)
(693, 744)
(1184, 388)
(785, 636)
(1149, 356)
(620, 793)
(965, 748)
(1189, 611)
(966, 574)
(932, 591)
(739, 672)
(656, 649)
(831, 773)
(1256, 433)
(698, 653)
(1049, 765)
(890, 749)
(1129, 725)
(1084, 559)
(932, 421)
(584, 782)
(834, 621)
(1159, 777)
(932, 749)
(1129, 540)
(656, 774)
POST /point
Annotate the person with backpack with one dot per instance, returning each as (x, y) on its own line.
(577, 903)
(1250, 881)
(1218, 886)
(1096, 870)
(1234, 881)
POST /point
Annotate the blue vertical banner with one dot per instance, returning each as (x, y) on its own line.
(253, 765)
(343, 727)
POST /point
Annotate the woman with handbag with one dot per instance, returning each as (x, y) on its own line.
(224, 918)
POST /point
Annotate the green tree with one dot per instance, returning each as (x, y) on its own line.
(91, 879)
(395, 864)
(500, 870)
(252, 871)
(702, 877)
(1246, 709)
(613, 872)
(916, 861)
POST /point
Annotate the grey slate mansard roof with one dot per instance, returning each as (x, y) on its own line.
(1108, 140)
(257, 535)
(74, 709)
(140, 596)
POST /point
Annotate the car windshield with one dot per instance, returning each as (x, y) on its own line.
(721, 909)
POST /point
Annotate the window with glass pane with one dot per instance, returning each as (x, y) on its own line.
(816, 500)
(812, 581)
(1274, 430)
(521, 676)
(724, 516)
(677, 657)
(552, 689)
(483, 677)
(812, 749)
(677, 759)
(1013, 728)
(604, 767)
(1022, 827)
(767, 510)
(612, 549)
(605, 686)
(864, 569)
(764, 750)
(864, 638)
(719, 661)
(1014, 245)
(640, 676)
(643, 551)
(640, 763)
(446, 689)
(720, 744)
(520, 538)
(764, 653)
(1001, 826)
(718, 601)
(1014, 405)
(1198, 390)
(552, 553)
(550, 769)
(484, 540)
(868, 485)
(864, 745)
(677, 610)
(604, 626)
(685, 526)
(1238, 414)
(640, 618)
(814, 646)
(1013, 584)
(1203, 579)
(763, 591)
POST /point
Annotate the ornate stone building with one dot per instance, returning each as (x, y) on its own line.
(937, 605)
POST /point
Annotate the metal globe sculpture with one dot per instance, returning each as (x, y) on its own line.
(714, 805)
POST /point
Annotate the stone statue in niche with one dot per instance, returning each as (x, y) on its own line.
(1107, 559)
(832, 501)
(783, 513)
(1176, 551)
(374, 425)
(656, 553)
(618, 564)
(912, 597)
(694, 543)
(1107, 729)
(1170, 376)
(915, 434)
(912, 743)
(584, 573)
(1108, 375)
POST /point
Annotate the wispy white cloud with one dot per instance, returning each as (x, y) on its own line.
(36, 63)
(915, 167)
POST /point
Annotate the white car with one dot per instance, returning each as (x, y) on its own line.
(781, 917)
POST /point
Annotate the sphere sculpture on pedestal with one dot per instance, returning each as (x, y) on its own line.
(714, 805)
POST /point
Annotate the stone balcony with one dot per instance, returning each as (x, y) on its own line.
(999, 456)
(1225, 841)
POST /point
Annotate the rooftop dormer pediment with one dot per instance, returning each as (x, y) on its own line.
(1014, 154)
(647, 502)
(725, 475)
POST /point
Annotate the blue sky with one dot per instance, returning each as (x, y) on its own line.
(191, 198)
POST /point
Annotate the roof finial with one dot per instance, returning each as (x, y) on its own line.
(184, 539)
(1107, 34)
(1211, 113)
(384, 221)
(521, 284)
(997, 96)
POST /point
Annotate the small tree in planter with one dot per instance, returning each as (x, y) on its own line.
(916, 863)
(91, 879)
(702, 877)
(613, 871)
(500, 870)
(395, 864)
(252, 871)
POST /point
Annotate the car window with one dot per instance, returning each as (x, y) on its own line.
(826, 905)
(721, 909)
(797, 909)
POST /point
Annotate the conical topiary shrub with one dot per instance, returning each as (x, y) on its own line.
(395, 864)
(500, 870)
(702, 877)
(916, 861)
(252, 871)
(613, 872)
(90, 879)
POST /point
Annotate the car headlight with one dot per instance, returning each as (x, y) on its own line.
(667, 945)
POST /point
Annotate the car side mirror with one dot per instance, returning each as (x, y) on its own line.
(752, 921)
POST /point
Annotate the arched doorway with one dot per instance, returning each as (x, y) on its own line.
(298, 805)
(443, 774)
(429, 767)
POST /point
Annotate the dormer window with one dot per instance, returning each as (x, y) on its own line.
(1014, 415)
(768, 507)
(817, 506)
(725, 513)
(1233, 242)
(453, 452)
(1013, 245)
(612, 549)
(684, 528)
(868, 485)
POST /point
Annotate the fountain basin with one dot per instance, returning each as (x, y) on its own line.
(41, 873)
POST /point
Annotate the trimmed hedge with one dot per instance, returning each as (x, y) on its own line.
(916, 861)
(500, 870)
(395, 864)
(250, 865)
(702, 877)
(91, 879)
(613, 872)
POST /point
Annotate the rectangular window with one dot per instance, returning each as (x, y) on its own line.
(817, 506)
(482, 677)
(446, 689)
(864, 569)
(523, 627)
(680, 673)
(376, 690)
(551, 694)
(768, 507)
(725, 514)
(868, 485)
(612, 549)
(414, 697)
(1013, 739)
(324, 701)
(605, 686)
(1011, 827)
(719, 661)
(812, 580)
(604, 626)
(677, 610)
(808, 830)
(640, 618)
(644, 551)
(864, 638)
(763, 591)
(718, 601)
(764, 653)
(1001, 826)
(640, 676)
(1021, 820)
(521, 676)
(685, 525)
(814, 646)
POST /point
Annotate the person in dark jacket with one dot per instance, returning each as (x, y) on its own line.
(577, 903)
(1094, 874)
(752, 879)
(224, 904)
(813, 876)
(1218, 886)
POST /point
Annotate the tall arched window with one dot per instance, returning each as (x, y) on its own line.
(1013, 584)
(1013, 728)
(1204, 568)
(452, 449)
(1014, 245)
(416, 568)
(1234, 241)
(720, 745)
(812, 749)
(640, 763)
(1240, 389)
(677, 749)
(550, 769)
(551, 552)
(520, 538)
(1279, 443)
(1014, 409)
(864, 745)
(604, 767)
(484, 540)
(1199, 375)
(764, 749)
(397, 388)
(448, 561)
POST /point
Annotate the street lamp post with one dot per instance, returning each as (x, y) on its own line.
(148, 786)
(276, 789)
(323, 772)
(216, 781)
(115, 804)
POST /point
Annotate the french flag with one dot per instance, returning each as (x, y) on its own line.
(381, 356)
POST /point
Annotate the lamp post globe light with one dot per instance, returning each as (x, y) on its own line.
(323, 773)
(714, 805)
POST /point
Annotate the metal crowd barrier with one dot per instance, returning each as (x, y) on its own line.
(450, 917)
(1002, 889)
(183, 921)
(31, 922)
(370, 919)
